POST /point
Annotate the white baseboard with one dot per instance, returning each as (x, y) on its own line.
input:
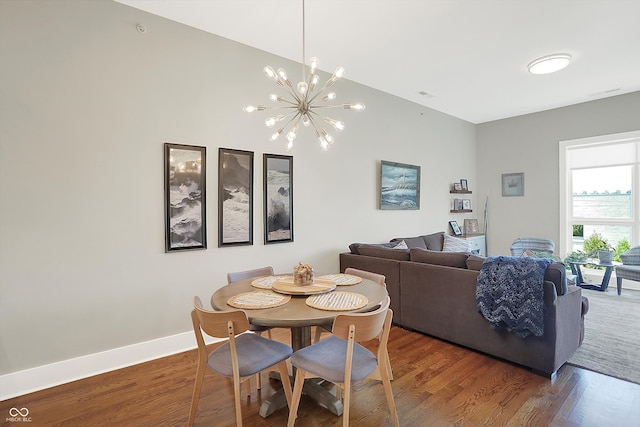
(42, 377)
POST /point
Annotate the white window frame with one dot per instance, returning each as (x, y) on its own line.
(566, 186)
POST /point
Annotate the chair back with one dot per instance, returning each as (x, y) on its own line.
(218, 324)
(242, 275)
(362, 326)
(521, 244)
(375, 277)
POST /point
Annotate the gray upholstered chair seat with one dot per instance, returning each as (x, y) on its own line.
(327, 360)
(255, 354)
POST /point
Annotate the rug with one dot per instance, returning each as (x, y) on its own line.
(611, 343)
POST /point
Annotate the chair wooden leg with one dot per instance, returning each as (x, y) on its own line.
(196, 395)
(286, 382)
(236, 396)
(295, 399)
(316, 338)
(388, 391)
(346, 397)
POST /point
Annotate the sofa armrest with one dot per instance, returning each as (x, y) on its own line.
(569, 323)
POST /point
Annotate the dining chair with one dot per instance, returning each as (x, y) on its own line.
(240, 358)
(248, 274)
(378, 278)
(341, 360)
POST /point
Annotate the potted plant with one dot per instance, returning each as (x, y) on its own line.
(596, 245)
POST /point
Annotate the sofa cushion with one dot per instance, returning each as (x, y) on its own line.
(557, 273)
(474, 262)
(381, 252)
(412, 242)
(449, 259)
(434, 241)
(353, 248)
(454, 244)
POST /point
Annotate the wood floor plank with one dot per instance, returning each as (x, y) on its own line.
(436, 384)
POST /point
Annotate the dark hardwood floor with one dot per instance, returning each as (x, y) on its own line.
(436, 384)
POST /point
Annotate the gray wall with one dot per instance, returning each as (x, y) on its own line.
(86, 103)
(530, 144)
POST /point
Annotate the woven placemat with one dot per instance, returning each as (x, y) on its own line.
(338, 301)
(342, 279)
(258, 299)
(266, 282)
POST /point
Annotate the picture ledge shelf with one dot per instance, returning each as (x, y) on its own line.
(461, 210)
(460, 192)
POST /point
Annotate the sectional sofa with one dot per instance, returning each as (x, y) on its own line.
(434, 292)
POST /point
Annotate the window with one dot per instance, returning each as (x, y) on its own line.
(599, 188)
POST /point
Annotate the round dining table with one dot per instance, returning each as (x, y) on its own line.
(299, 318)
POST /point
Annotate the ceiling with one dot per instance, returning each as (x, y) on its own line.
(468, 57)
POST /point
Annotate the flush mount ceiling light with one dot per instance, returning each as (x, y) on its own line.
(549, 64)
(303, 105)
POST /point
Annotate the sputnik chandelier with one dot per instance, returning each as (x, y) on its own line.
(304, 103)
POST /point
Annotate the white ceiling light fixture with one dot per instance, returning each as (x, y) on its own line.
(303, 103)
(549, 64)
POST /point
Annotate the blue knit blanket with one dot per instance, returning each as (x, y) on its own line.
(510, 293)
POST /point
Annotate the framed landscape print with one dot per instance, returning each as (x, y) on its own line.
(235, 197)
(278, 198)
(399, 186)
(512, 184)
(185, 197)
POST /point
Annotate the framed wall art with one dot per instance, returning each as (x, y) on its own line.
(185, 197)
(278, 198)
(455, 228)
(471, 226)
(399, 186)
(512, 184)
(235, 197)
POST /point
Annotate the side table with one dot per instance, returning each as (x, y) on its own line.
(608, 269)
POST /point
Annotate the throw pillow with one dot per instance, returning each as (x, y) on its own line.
(412, 242)
(434, 241)
(448, 259)
(401, 245)
(376, 251)
(453, 244)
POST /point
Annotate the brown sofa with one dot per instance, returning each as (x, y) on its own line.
(434, 292)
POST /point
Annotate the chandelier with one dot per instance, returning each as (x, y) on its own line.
(304, 104)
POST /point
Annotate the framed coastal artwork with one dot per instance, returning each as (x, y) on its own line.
(512, 184)
(235, 197)
(399, 186)
(278, 198)
(185, 169)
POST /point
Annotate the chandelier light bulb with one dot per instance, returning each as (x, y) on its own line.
(357, 107)
(302, 88)
(338, 73)
(275, 136)
(306, 121)
(252, 108)
(289, 145)
(313, 64)
(329, 97)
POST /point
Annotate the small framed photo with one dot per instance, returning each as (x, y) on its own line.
(466, 204)
(455, 228)
(471, 226)
(457, 186)
(464, 185)
(512, 184)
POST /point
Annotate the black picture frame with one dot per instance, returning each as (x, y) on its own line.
(278, 198)
(235, 197)
(185, 177)
(464, 184)
(455, 228)
(399, 186)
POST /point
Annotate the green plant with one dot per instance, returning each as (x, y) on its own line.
(623, 246)
(595, 243)
(578, 230)
(575, 256)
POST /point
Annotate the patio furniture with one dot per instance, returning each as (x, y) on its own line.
(630, 268)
